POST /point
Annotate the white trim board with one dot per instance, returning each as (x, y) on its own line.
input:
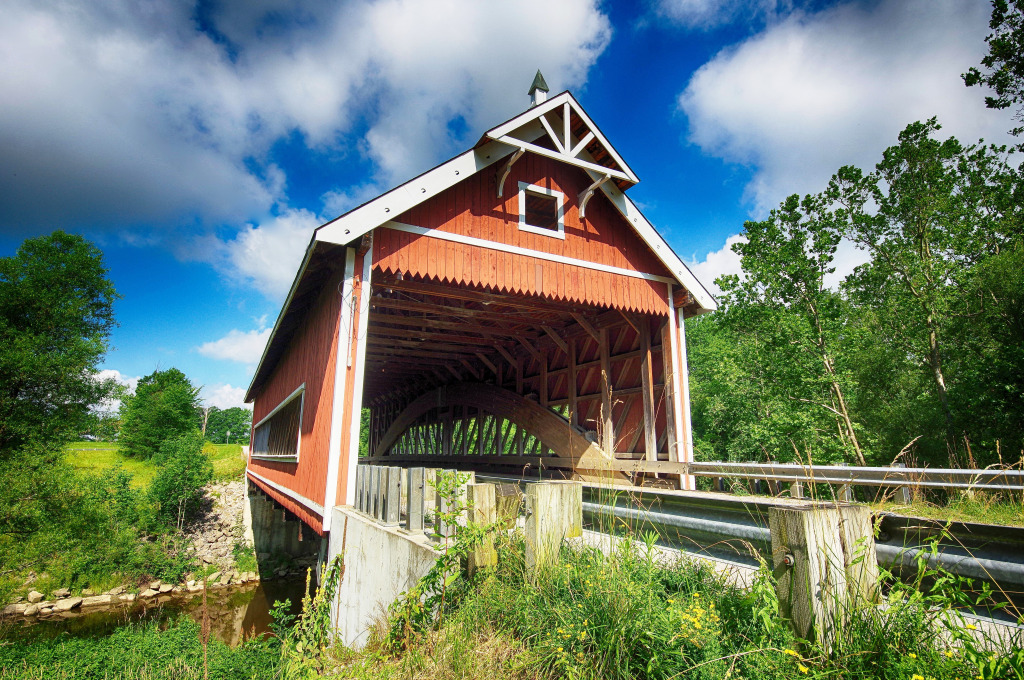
(565, 101)
(300, 394)
(357, 397)
(527, 252)
(338, 399)
(559, 231)
(281, 405)
(295, 496)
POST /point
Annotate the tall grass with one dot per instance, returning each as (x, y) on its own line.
(628, 614)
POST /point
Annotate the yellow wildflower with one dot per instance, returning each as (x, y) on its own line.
(559, 649)
(915, 676)
(971, 626)
(791, 652)
(912, 655)
(949, 654)
(803, 669)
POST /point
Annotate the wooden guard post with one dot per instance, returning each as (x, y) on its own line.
(554, 511)
(825, 566)
(482, 512)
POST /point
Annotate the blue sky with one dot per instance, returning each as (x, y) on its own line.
(199, 143)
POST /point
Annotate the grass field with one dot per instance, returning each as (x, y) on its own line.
(95, 457)
(985, 508)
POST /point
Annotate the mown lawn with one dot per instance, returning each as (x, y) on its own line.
(227, 460)
(96, 457)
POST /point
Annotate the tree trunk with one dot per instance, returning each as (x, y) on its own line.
(935, 360)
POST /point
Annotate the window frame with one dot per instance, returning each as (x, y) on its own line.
(525, 187)
(298, 393)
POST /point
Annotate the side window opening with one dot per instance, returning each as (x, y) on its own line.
(276, 437)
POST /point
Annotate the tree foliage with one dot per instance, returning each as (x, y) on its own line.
(1004, 63)
(921, 343)
(178, 485)
(56, 313)
(220, 422)
(163, 408)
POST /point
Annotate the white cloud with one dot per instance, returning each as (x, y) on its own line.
(724, 261)
(119, 113)
(708, 14)
(819, 91)
(223, 396)
(113, 374)
(243, 346)
(721, 262)
(268, 255)
(113, 405)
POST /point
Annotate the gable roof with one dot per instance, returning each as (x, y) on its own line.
(576, 141)
(521, 133)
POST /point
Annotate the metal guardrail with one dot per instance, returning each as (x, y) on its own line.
(735, 528)
(990, 479)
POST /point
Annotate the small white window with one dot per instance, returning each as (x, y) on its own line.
(277, 436)
(541, 211)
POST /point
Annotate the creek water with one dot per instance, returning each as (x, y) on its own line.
(235, 612)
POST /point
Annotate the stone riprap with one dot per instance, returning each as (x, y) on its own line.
(213, 538)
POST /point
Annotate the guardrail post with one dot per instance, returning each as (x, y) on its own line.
(371, 506)
(508, 500)
(417, 493)
(360, 474)
(845, 490)
(482, 512)
(429, 496)
(382, 490)
(825, 565)
(554, 511)
(903, 492)
(393, 496)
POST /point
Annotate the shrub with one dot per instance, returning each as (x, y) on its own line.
(177, 488)
(163, 408)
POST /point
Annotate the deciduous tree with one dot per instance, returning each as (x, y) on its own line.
(1004, 63)
(164, 407)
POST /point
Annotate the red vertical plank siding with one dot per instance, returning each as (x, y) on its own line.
(472, 208)
(309, 359)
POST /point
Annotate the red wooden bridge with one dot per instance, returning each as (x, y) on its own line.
(510, 310)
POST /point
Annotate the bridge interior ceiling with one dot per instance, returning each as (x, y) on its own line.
(602, 370)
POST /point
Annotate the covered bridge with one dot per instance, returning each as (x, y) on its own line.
(509, 310)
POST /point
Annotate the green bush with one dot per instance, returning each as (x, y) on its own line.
(177, 488)
(163, 408)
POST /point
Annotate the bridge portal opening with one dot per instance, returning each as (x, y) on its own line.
(458, 376)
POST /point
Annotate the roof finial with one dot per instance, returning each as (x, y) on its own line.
(539, 89)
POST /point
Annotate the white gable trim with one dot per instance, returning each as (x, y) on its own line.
(567, 152)
(660, 247)
(386, 207)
